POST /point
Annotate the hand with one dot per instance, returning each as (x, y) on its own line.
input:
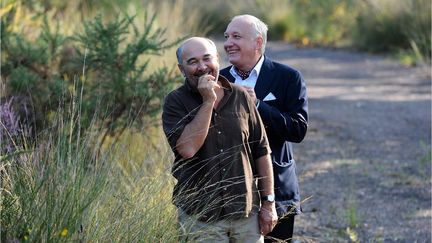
(251, 93)
(206, 87)
(267, 217)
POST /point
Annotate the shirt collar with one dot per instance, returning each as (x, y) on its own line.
(258, 66)
(256, 69)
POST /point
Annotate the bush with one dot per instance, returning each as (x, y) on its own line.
(106, 58)
(306, 22)
(117, 75)
(390, 27)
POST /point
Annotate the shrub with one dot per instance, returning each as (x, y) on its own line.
(107, 59)
(306, 22)
(389, 27)
(117, 80)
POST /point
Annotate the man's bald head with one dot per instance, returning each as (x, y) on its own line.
(198, 56)
(192, 42)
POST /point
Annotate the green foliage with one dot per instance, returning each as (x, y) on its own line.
(59, 186)
(385, 31)
(314, 22)
(114, 71)
(394, 28)
(29, 69)
(105, 62)
(375, 26)
(351, 214)
(58, 190)
(48, 188)
(214, 15)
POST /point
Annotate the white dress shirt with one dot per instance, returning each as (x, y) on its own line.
(253, 76)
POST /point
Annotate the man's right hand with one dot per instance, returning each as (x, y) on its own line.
(206, 87)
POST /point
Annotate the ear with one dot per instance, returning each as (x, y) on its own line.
(180, 67)
(259, 42)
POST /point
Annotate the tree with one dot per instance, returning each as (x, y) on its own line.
(119, 83)
(107, 68)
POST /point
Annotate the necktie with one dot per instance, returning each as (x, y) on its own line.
(242, 74)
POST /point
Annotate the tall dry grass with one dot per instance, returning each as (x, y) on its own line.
(59, 188)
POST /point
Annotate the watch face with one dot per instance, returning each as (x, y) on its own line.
(268, 198)
(271, 198)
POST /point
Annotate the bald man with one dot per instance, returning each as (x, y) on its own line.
(222, 156)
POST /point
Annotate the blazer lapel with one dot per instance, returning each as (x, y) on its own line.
(226, 73)
(265, 79)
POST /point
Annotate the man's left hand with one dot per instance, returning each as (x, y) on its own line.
(267, 217)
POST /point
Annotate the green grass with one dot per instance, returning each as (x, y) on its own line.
(402, 29)
(352, 215)
(59, 189)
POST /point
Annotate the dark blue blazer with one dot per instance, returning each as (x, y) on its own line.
(286, 119)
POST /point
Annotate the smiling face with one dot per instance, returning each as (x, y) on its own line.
(198, 57)
(242, 44)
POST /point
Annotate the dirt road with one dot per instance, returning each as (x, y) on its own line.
(365, 165)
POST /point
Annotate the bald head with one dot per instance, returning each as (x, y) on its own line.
(194, 42)
(255, 26)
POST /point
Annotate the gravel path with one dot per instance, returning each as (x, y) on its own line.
(365, 165)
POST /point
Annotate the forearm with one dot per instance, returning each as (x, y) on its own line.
(195, 133)
(265, 173)
(267, 215)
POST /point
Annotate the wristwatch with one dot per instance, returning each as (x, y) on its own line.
(268, 198)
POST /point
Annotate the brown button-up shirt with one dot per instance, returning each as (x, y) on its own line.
(219, 181)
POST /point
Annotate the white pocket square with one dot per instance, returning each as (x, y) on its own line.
(269, 97)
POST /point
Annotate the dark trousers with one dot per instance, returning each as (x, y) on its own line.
(283, 231)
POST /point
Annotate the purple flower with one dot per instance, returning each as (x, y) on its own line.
(9, 126)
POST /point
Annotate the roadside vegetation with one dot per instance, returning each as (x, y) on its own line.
(82, 156)
(401, 30)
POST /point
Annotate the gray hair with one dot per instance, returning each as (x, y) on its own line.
(179, 51)
(259, 28)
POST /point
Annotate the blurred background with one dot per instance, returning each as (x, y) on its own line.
(82, 83)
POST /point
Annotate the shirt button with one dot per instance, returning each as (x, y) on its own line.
(221, 150)
(215, 114)
(219, 132)
(223, 169)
